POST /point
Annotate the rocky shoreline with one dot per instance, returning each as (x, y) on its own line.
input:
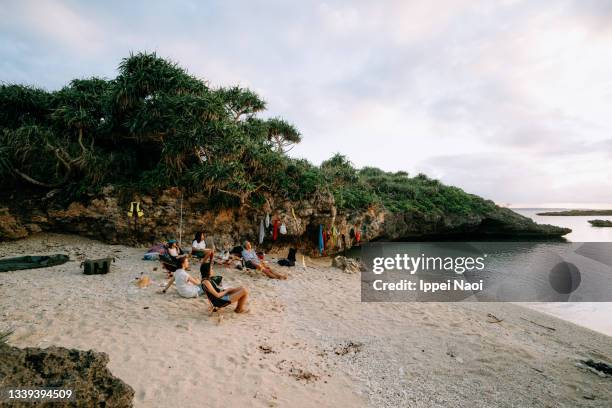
(83, 373)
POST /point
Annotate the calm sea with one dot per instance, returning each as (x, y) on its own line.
(582, 231)
(595, 316)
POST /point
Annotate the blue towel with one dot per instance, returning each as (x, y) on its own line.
(321, 238)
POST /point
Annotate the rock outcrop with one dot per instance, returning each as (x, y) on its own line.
(348, 265)
(10, 227)
(84, 372)
(106, 217)
(601, 223)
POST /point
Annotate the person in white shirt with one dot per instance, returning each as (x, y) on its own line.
(198, 246)
(186, 285)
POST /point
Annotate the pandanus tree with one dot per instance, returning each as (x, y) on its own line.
(241, 103)
(154, 125)
(282, 134)
(48, 142)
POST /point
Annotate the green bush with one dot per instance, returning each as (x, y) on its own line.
(156, 126)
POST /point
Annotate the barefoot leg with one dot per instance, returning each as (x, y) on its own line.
(241, 296)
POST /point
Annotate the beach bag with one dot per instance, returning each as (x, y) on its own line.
(290, 260)
(283, 229)
(285, 262)
(237, 250)
(97, 266)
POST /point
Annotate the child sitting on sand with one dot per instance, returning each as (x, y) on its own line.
(218, 297)
(252, 261)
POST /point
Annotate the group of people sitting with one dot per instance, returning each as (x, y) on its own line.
(177, 262)
(189, 287)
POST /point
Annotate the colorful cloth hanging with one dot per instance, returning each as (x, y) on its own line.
(334, 237)
(283, 229)
(267, 220)
(275, 230)
(262, 231)
(321, 239)
(293, 213)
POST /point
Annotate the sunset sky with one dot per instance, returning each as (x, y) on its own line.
(511, 100)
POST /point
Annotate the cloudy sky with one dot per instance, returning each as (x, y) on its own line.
(511, 100)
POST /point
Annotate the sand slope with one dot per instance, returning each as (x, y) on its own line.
(308, 341)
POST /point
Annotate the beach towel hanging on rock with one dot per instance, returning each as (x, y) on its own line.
(275, 230)
(262, 231)
(267, 220)
(321, 239)
(283, 229)
(334, 237)
(293, 213)
(135, 210)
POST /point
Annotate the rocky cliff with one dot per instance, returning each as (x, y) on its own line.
(105, 217)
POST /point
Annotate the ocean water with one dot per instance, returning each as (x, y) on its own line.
(523, 260)
(582, 231)
(595, 316)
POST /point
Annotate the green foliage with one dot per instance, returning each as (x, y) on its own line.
(401, 193)
(242, 103)
(349, 190)
(283, 135)
(155, 126)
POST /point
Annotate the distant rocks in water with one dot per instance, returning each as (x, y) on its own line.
(576, 212)
(83, 372)
(348, 265)
(601, 223)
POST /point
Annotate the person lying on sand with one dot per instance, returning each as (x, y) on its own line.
(222, 298)
(186, 285)
(253, 262)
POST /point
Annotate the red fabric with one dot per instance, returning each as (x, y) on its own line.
(357, 236)
(324, 239)
(275, 230)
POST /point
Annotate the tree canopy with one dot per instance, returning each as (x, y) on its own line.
(156, 126)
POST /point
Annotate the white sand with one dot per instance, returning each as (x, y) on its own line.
(308, 341)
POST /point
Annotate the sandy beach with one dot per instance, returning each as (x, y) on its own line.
(307, 341)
